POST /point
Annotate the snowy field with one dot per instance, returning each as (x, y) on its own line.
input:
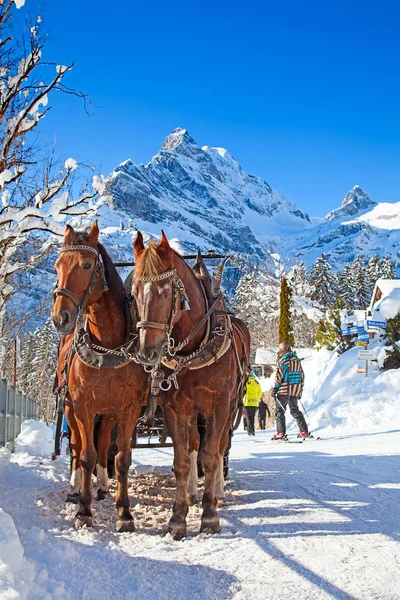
(312, 520)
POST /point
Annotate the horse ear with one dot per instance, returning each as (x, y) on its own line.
(94, 233)
(164, 246)
(68, 233)
(138, 245)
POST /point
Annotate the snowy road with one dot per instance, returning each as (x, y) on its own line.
(313, 520)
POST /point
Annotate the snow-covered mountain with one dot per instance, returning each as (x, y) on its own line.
(204, 198)
(354, 202)
(358, 226)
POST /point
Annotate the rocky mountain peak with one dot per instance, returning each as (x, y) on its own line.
(355, 201)
(178, 139)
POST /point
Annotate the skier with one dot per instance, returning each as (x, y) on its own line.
(251, 400)
(288, 389)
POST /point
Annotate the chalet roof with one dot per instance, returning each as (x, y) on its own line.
(386, 286)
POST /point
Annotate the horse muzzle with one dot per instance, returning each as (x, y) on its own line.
(63, 321)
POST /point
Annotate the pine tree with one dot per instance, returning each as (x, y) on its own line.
(361, 285)
(346, 287)
(386, 269)
(285, 318)
(298, 279)
(329, 330)
(372, 272)
(322, 282)
(38, 367)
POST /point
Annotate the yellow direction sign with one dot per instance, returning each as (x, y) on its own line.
(362, 343)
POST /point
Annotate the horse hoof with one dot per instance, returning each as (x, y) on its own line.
(83, 521)
(73, 497)
(124, 526)
(221, 501)
(101, 494)
(210, 525)
(192, 499)
(178, 532)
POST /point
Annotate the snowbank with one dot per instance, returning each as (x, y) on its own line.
(342, 399)
(11, 559)
(35, 438)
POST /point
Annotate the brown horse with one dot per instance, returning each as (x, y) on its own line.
(90, 299)
(173, 311)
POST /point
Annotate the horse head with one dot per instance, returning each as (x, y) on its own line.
(80, 277)
(154, 286)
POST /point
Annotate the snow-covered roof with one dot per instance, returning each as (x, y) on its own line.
(386, 286)
(388, 306)
(266, 356)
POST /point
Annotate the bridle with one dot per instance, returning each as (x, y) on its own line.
(98, 270)
(180, 302)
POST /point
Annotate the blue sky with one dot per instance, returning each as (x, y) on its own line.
(303, 94)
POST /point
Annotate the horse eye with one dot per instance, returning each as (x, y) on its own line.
(87, 266)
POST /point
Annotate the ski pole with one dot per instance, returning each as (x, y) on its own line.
(308, 416)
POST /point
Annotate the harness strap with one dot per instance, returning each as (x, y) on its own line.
(153, 325)
(65, 292)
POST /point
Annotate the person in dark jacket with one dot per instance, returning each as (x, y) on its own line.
(289, 383)
(263, 409)
(250, 401)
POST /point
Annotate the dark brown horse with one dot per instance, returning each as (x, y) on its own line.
(173, 309)
(90, 298)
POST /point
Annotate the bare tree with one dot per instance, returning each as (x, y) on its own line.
(34, 193)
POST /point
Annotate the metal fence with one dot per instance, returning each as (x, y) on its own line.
(15, 408)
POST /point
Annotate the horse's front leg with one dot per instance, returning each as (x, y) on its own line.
(103, 444)
(179, 431)
(75, 445)
(126, 425)
(88, 460)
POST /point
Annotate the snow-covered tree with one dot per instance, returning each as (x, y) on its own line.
(386, 269)
(256, 302)
(362, 289)
(372, 271)
(322, 282)
(298, 279)
(345, 288)
(38, 366)
(33, 190)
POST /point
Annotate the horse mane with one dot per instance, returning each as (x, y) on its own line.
(113, 278)
(149, 263)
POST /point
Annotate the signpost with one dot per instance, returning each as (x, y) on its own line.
(366, 355)
(352, 330)
(378, 324)
(363, 336)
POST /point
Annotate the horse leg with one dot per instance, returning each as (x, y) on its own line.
(179, 432)
(103, 444)
(126, 424)
(194, 444)
(216, 425)
(88, 460)
(219, 479)
(75, 457)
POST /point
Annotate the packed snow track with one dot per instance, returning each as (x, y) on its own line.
(312, 520)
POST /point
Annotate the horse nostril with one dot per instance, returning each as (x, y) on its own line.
(62, 319)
